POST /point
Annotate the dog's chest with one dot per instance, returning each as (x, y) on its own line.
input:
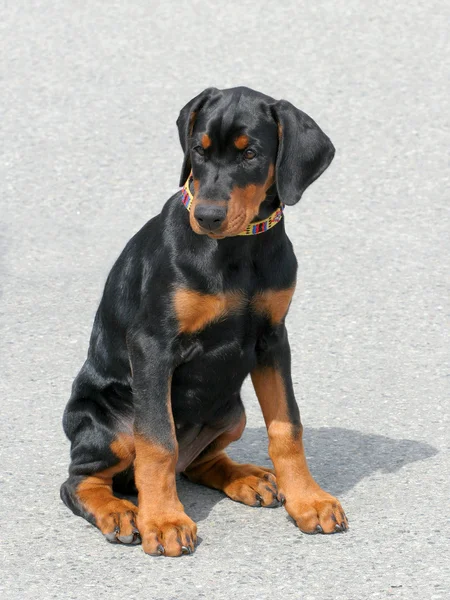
(197, 312)
(218, 351)
(219, 335)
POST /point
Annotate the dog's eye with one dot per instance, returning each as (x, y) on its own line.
(249, 154)
(199, 150)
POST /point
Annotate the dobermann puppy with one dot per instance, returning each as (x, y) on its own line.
(196, 302)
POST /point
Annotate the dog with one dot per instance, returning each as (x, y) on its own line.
(195, 303)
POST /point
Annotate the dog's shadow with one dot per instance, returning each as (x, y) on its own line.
(338, 459)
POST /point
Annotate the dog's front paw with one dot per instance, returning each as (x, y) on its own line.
(172, 534)
(317, 512)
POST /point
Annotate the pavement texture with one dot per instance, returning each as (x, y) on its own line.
(90, 92)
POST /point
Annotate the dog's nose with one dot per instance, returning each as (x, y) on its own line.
(210, 217)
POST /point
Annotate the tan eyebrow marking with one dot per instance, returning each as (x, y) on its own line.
(206, 141)
(241, 142)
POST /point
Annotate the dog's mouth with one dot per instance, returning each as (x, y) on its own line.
(215, 235)
(237, 218)
(229, 228)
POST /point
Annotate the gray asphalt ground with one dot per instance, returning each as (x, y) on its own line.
(89, 95)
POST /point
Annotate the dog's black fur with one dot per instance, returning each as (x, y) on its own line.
(189, 310)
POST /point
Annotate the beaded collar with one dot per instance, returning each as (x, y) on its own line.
(252, 228)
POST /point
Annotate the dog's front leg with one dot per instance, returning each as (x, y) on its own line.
(313, 509)
(163, 525)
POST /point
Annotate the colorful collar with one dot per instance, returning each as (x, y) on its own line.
(252, 228)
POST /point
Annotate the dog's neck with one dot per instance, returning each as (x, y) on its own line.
(235, 262)
(270, 204)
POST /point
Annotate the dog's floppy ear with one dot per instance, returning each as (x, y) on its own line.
(185, 124)
(304, 151)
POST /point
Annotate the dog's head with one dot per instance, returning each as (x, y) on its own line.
(238, 143)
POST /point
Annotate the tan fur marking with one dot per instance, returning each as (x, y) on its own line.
(306, 502)
(154, 469)
(95, 491)
(155, 460)
(195, 310)
(285, 450)
(241, 142)
(162, 522)
(274, 303)
(206, 141)
(269, 388)
(244, 205)
(242, 483)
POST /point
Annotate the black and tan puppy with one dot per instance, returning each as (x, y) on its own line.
(195, 303)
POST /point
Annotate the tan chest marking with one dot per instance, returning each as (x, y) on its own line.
(273, 303)
(195, 310)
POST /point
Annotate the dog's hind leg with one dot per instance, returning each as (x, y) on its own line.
(101, 447)
(246, 483)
